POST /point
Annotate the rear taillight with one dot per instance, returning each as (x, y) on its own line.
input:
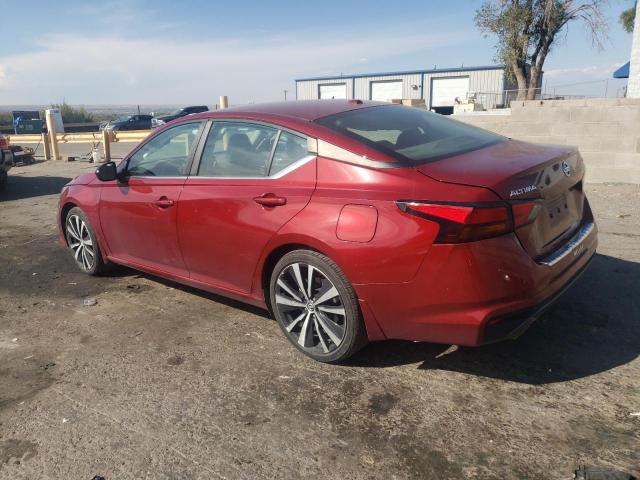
(525, 212)
(468, 222)
(3, 142)
(461, 222)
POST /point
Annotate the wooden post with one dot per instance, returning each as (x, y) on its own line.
(106, 139)
(224, 102)
(46, 146)
(53, 137)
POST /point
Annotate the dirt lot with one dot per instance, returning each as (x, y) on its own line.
(160, 381)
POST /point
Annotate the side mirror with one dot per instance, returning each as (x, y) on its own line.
(107, 172)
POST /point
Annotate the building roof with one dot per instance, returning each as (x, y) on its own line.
(623, 71)
(406, 72)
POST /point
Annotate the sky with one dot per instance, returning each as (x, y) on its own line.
(193, 51)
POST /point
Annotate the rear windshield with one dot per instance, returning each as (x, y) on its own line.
(409, 133)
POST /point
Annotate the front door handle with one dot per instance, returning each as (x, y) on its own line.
(270, 200)
(164, 202)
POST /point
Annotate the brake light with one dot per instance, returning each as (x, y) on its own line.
(3, 142)
(463, 223)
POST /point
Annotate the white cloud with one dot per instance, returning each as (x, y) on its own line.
(117, 69)
(591, 71)
(590, 81)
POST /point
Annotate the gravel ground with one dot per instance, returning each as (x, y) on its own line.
(161, 381)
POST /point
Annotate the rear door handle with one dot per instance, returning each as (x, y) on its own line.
(270, 200)
(163, 202)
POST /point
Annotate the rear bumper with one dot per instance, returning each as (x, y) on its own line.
(512, 325)
(6, 159)
(478, 293)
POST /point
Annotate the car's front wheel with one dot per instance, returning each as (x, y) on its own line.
(83, 243)
(316, 306)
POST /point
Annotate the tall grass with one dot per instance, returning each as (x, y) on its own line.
(72, 114)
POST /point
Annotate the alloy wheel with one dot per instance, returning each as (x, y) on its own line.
(311, 308)
(80, 242)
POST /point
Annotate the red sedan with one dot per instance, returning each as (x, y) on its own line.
(350, 221)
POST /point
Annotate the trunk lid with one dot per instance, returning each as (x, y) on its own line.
(518, 171)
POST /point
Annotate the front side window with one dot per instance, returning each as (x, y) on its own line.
(167, 154)
(237, 150)
(411, 134)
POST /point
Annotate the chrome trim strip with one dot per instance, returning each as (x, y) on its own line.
(568, 247)
(280, 174)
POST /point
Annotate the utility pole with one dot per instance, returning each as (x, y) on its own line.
(285, 95)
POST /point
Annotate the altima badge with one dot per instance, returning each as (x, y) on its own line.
(566, 168)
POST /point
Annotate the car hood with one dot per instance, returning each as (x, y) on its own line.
(83, 179)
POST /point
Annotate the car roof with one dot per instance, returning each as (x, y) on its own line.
(305, 110)
(299, 116)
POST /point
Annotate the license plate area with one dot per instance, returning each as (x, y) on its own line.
(557, 209)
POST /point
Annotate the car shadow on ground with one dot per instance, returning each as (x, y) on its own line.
(121, 271)
(19, 187)
(593, 328)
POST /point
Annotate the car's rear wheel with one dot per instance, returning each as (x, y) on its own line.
(316, 306)
(83, 243)
(3, 180)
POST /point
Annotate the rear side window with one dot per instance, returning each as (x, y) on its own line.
(237, 150)
(289, 150)
(409, 133)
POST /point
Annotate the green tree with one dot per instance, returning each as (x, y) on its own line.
(628, 18)
(526, 31)
(72, 114)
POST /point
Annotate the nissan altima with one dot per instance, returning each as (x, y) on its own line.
(350, 221)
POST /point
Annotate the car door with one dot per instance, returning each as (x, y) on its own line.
(144, 122)
(131, 123)
(137, 123)
(138, 211)
(250, 180)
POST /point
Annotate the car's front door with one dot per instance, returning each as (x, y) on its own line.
(138, 211)
(251, 179)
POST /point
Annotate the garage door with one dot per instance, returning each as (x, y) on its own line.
(444, 91)
(336, 90)
(386, 91)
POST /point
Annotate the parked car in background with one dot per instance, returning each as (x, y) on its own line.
(6, 161)
(22, 155)
(349, 220)
(181, 112)
(129, 122)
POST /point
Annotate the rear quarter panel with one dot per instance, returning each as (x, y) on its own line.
(400, 241)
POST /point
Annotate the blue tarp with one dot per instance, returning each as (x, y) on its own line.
(622, 72)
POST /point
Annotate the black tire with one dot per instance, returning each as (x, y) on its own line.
(4, 177)
(75, 231)
(334, 329)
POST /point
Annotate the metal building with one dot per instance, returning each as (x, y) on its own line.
(438, 87)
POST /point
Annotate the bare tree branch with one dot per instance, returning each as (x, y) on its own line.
(526, 30)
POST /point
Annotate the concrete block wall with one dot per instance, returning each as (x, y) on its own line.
(606, 130)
